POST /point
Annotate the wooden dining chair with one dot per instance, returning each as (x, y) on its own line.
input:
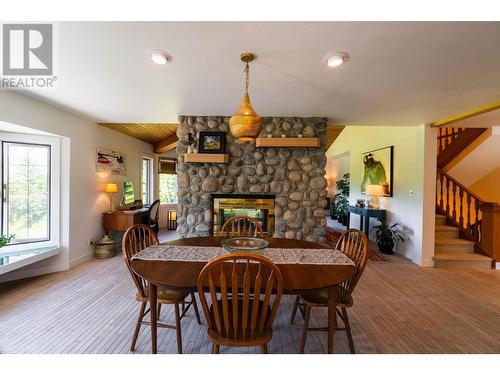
(135, 239)
(237, 315)
(242, 226)
(354, 244)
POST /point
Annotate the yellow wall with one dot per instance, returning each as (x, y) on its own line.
(413, 176)
(488, 187)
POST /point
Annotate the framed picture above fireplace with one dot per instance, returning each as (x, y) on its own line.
(212, 142)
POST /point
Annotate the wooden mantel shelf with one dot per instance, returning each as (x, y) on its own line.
(206, 158)
(287, 142)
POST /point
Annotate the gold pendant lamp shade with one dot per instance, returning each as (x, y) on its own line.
(246, 124)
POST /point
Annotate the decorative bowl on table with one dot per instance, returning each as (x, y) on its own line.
(244, 244)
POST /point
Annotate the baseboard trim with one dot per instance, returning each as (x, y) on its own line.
(81, 259)
(427, 263)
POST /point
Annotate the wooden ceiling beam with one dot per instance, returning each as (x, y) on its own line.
(166, 144)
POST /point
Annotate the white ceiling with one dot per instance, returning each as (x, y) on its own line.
(399, 73)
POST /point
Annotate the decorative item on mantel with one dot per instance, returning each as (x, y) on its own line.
(246, 125)
(212, 142)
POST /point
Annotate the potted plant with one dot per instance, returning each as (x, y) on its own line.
(4, 240)
(341, 199)
(333, 209)
(386, 236)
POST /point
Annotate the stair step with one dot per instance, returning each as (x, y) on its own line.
(461, 260)
(440, 220)
(453, 245)
(446, 231)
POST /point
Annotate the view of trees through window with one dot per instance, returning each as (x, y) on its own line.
(26, 209)
(168, 188)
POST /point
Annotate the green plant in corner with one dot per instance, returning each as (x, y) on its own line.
(341, 201)
(4, 240)
(386, 236)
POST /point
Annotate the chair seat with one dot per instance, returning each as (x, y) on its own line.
(164, 295)
(319, 297)
(242, 337)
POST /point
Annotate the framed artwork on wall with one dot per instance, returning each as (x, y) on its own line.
(377, 169)
(110, 161)
(212, 142)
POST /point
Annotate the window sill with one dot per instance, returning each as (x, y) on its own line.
(12, 260)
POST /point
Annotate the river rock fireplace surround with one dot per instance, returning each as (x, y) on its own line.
(294, 179)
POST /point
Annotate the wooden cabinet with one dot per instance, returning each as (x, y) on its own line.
(120, 221)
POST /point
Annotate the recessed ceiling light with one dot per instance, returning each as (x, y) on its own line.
(160, 57)
(336, 59)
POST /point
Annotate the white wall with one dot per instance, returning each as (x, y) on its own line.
(412, 204)
(83, 200)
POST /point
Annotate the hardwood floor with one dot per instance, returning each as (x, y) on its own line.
(399, 308)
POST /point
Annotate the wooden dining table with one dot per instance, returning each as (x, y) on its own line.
(297, 277)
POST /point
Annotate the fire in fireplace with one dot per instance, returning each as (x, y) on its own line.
(260, 207)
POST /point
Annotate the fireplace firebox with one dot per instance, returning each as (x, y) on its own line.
(260, 207)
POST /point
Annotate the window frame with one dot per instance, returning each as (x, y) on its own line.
(54, 189)
(150, 180)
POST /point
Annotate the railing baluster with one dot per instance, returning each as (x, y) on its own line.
(454, 211)
(441, 202)
(448, 197)
(461, 213)
(468, 211)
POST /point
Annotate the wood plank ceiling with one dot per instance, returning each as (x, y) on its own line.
(148, 132)
(163, 135)
(332, 132)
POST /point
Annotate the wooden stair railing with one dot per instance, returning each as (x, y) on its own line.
(460, 205)
(477, 220)
(452, 141)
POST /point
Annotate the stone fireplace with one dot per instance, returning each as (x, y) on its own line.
(294, 177)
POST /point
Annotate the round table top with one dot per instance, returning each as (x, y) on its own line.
(296, 277)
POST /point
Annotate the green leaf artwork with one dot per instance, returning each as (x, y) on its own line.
(377, 169)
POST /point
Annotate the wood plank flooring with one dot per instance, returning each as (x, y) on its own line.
(399, 308)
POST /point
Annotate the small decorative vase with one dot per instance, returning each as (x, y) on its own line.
(299, 136)
(283, 135)
(269, 135)
(190, 150)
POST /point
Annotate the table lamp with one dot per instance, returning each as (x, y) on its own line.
(375, 191)
(111, 188)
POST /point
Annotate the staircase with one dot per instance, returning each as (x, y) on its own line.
(451, 251)
(459, 218)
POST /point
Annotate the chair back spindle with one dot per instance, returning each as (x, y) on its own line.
(135, 239)
(240, 288)
(242, 226)
(354, 244)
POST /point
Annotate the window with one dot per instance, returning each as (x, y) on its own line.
(147, 180)
(168, 188)
(26, 192)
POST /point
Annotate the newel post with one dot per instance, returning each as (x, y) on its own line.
(490, 230)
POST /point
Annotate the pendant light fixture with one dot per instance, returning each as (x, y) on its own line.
(246, 125)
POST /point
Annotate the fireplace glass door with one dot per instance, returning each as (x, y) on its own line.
(228, 207)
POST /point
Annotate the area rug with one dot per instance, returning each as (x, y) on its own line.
(332, 236)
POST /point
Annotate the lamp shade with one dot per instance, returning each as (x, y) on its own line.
(375, 190)
(111, 188)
